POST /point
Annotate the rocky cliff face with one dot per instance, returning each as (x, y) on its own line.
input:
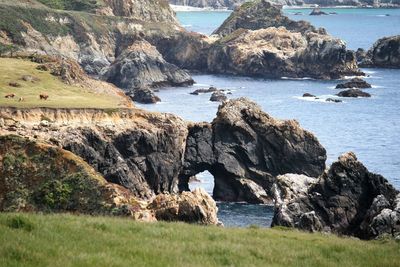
(277, 52)
(40, 177)
(347, 199)
(385, 53)
(259, 41)
(262, 14)
(141, 65)
(245, 149)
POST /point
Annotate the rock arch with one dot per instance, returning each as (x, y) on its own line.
(245, 149)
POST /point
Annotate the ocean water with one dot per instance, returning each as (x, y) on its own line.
(368, 126)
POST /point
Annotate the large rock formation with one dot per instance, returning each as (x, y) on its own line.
(261, 14)
(141, 65)
(347, 199)
(245, 149)
(385, 53)
(277, 52)
(40, 177)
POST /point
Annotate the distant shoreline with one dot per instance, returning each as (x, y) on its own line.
(178, 8)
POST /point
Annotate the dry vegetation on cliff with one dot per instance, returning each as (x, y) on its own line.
(66, 240)
(28, 82)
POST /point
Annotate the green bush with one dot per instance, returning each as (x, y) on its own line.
(78, 5)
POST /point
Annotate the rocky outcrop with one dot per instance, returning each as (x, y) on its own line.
(277, 52)
(138, 150)
(39, 177)
(354, 83)
(317, 12)
(385, 53)
(261, 14)
(141, 66)
(204, 91)
(353, 93)
(144, 96)
(218, 96)
(245, 149)
(347, 199)
(196, 206)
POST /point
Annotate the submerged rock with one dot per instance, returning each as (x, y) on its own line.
(141, 65)
(334, 100)
(354, 83)
(204, 91)
(218, 96)
(308, 95)
(347, 199)
(353, 93)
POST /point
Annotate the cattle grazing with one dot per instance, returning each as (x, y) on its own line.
(43, 97)
(10, 96)
(21, 99)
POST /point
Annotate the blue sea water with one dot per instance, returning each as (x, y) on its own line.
(368, 126)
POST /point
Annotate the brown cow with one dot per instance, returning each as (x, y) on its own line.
(10, 96)
(43, 96)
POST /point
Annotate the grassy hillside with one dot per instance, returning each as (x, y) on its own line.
(60, 94)
(66, 240)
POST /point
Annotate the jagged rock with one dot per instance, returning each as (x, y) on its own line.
(39, 177)
(262, 14)
(218, 96)
(141, 65)
(244, 149)
(354, 83)
(317, 12)
(347, 199)
(204, 91)
(144, 96)
(277, 52)
(353, 93)
(196, 206)
(385, 53)
(333, 100)
(308, 95)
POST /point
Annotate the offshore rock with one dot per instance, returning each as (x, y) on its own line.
(353, 93)
(347, 199)
(385, 53)
(261, 14)
(144, 96)
(354, 83)
(245, 149)
(277, 52)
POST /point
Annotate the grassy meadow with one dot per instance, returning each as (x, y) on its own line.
(70, 240)
(61, 95)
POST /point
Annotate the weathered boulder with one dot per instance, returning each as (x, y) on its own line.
(347, 199)
(245, 149)
(277, 52)
(353, 93)
(141, 65)
(196, 206)
(218, 96)
(385, 53)
(144, 96)
(261, 14)
(354, 83)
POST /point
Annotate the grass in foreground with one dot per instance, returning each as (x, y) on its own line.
(60, 94)
(67, 240)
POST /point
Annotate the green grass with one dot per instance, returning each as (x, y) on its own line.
(66, 240)
(60, 94)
